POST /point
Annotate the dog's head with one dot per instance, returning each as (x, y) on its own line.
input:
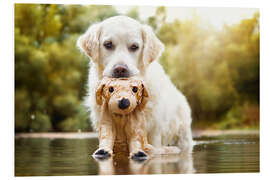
(122, 95)
(121, 46)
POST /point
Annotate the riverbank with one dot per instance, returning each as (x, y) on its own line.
(89, 135)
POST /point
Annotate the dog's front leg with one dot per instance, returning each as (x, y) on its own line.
(106, 135)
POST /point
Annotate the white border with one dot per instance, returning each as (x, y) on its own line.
(7, 82)
(193, 3)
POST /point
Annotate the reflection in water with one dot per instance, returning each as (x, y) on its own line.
(43, 157)
(167, 164)
(59, 157)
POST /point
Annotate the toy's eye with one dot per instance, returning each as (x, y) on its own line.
(111, 89)
(134, 89)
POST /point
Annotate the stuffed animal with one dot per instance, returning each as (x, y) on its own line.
(121, 126)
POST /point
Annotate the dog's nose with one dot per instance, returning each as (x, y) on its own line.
(123, 103)
(120, 71)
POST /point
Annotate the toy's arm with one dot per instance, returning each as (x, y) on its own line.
(106, 133)
(136, 135)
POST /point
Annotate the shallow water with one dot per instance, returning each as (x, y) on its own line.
(221, 154)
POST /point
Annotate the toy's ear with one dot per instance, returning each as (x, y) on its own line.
(144, 97)
(89, 42)
(99, 92)
(152, 46)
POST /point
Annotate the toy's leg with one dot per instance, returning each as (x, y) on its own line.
(136, 136)
(106, 135)
(136, 150)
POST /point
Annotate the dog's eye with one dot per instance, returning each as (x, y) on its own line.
(134, 89)
(108, 45)
(111, 89)
(133, 47)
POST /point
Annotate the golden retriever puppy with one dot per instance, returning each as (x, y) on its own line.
(122, 47)
(122, 124)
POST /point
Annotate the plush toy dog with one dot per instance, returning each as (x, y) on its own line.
(122, 123)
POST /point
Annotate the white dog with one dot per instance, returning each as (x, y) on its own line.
(122, 47)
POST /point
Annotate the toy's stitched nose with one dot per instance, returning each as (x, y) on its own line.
(123, 103)
(120, 71)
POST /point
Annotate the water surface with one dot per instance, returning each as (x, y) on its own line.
(220, 154)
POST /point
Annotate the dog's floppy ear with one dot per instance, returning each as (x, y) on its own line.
(99, 92)
(144, 97)
(89, 42)
(152, 46)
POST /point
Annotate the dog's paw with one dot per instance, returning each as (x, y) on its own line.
(171, 150)
(139, 156)
(101, 154)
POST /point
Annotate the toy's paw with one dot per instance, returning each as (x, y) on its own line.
(139, 156)
(102, 154)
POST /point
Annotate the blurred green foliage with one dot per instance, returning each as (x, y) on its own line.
(218, 71)
(50, 72)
